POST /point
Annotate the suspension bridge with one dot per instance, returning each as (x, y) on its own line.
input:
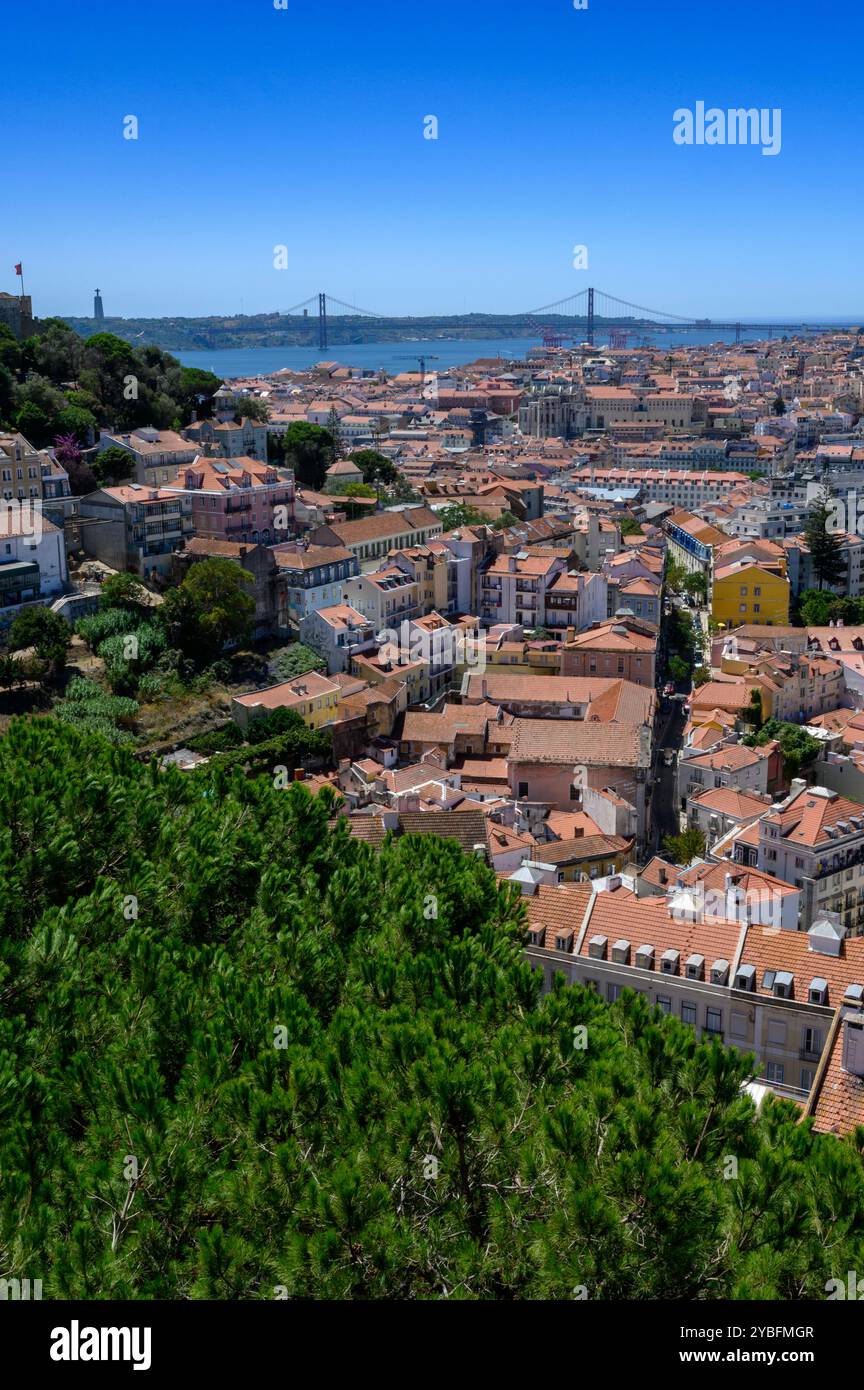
(587, 313)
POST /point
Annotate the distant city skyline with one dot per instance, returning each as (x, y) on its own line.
(304, 129)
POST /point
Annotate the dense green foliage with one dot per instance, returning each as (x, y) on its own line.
(115, 385)
(461, 514)
(376, 468)
(239, 1054)
(829, 565)
(296, 660)
(307, 449)
(89, 708)
(210, 610)
(799, 749)
(687, 846)
(821, 607)
(46, 632)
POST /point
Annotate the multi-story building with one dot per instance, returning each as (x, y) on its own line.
(607, 404)
(719, 809)
(135, 528)
(229, 439)
(815, 840)
(623, 648)
(774, 993)
(314, 697)
(238, 499)
(576, 600)
(372, 538)
(337, 633)
(514, 588)
(156, 454)
(743, 592)
(551, 760)
(386, 598)
(20, 469)
(32, 563)
(681, 487)
(641, 598)
(731, 765)
(802, 575)
(311, 577)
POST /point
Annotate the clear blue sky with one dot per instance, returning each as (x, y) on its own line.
(304, 127)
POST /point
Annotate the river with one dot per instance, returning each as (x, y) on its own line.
(439, 353)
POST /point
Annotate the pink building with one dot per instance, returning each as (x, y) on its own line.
(239, 499)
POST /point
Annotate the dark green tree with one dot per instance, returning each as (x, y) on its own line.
(826, 557)
(686, 847)
(309, 450)
(211, 610)
(46, 632)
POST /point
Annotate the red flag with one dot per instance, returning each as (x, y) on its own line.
(18, 270)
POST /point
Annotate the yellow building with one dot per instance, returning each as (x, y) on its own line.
(585, 858)
(747, 593)
(314, 697)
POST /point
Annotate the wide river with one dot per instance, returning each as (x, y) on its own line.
(439, 353)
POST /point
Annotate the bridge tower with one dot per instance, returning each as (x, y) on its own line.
(589, 334)
(322, 320)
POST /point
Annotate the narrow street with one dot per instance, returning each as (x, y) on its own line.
(664, 799)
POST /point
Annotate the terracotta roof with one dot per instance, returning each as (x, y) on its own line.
(561, 741)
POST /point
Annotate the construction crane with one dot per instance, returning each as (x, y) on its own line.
(422, 361)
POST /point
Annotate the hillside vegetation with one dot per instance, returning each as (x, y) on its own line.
(242, 1056)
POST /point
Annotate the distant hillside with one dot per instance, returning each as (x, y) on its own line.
(280, 330)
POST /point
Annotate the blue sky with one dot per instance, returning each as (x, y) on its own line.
(261, 127)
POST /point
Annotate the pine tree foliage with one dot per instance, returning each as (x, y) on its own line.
(243, 1056)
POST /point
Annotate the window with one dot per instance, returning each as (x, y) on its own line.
(776, 1032)
(714, 1021)
(738, 1025)
(664, 1002)
(688, 1012)
(757, 592)
(523, 788)
(612, 992)
(813, 1040)
(807, 1074)
(775, 1071)
(743, 590)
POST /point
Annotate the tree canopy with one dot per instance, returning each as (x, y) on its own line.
(307, 449)
(826, 556)
(116, 385)
(244, 1055)
(799, 749)
(210, 610)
